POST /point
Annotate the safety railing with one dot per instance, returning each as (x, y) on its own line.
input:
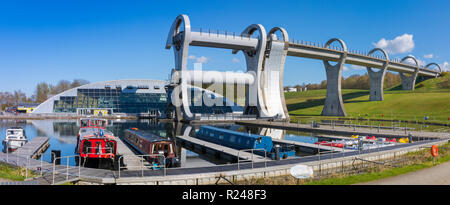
(65, 169)
(45, 166)
(15, 157)
(229, 117)
(141, 163)
(252, 156)
(220, 33)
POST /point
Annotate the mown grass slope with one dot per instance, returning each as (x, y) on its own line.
(430, 98)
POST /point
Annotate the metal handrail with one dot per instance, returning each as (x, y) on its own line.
(67, 166)
(252, 161)
(141, 158)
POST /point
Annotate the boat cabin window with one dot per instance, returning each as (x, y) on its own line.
(84, 123)
(109, 147)
(102, 124)
(86, 146)
(232, 138)
(154, 151)
(98, 147)
(93, 123)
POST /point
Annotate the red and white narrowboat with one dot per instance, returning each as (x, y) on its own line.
(96, 145)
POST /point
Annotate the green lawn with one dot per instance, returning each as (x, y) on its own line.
(424, 162)
(12, 173)
(429, 99)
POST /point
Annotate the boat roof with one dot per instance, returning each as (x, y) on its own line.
(242, 134)
(15, 128)
(147, 135)
(91, 133)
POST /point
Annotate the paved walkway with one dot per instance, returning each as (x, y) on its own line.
(437, 175)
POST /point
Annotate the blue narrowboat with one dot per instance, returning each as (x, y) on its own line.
(240, 141)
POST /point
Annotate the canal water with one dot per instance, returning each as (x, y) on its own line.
(63, 135)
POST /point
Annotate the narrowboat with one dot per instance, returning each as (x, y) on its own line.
(96, 145)
(15, 138)
(241, 141)
(153, 146)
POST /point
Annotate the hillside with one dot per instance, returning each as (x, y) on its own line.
(430, 98)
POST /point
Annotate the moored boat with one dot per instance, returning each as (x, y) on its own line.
(15, 138)
(95, 144)
(153, 146)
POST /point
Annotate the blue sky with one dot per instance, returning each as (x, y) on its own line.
(107, 40)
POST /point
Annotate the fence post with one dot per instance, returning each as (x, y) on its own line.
(7, 151)
(26, 167)
(53, 173)
(79, 166)
(252, 159)
(238, 159)
(41, 164)
(142, 165)
(164, 165)
(265, 158)
(67, 168)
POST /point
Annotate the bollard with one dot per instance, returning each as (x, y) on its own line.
(118, 162)
(56, 154)
(277, 152)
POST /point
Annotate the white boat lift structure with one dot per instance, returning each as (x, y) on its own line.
(265, 55)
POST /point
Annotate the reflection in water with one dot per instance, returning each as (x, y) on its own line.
(63, 135)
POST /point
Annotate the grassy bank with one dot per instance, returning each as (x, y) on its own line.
(12, 173)
(431, 98)
(415, 161)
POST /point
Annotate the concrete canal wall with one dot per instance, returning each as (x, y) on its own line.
(337, 162)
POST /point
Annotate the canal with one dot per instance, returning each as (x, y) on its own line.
(63, 136)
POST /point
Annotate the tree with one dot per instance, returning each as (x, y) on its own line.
(78, 83)
(62, 86)
(42, 92)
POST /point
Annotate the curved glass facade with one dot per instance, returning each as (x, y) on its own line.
(146, 97)
(115, 100)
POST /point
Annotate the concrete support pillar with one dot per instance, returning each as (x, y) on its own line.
(334, 105)
(182, 157)
(409, 82)
(254, 103)
(180, 40)
(272, 75)
(377, 78)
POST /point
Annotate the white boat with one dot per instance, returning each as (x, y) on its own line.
(15, 138)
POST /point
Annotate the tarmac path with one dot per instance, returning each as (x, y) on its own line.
(437, 175)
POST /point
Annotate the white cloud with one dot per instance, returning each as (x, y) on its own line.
(357, 67)
(345, 68)
(400, 44)
(445, 66)
(411, 61)
(201, 59)
(235, 60)
(428, 55)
